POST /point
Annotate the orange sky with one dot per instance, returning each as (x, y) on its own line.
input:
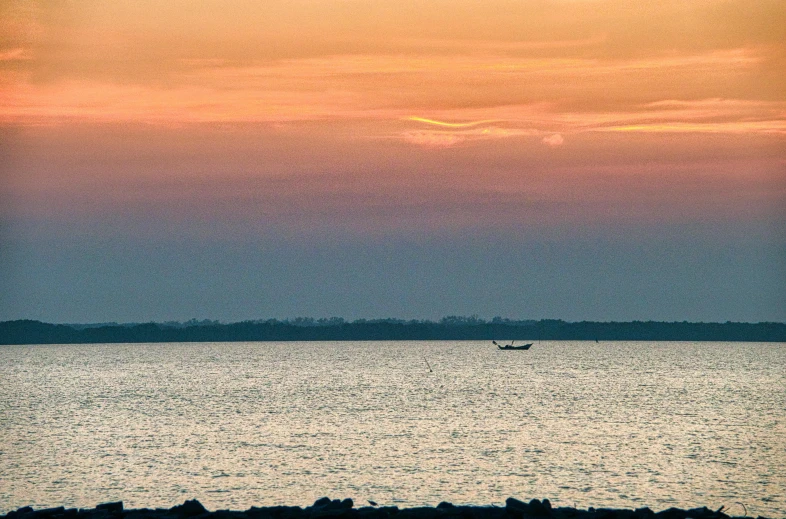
(526, 68)
(562, 98)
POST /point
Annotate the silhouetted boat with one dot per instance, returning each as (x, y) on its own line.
(511, 347)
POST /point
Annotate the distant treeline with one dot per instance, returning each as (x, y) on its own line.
(336, 329)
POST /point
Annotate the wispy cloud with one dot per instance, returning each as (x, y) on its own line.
(478, 92)
(553, 140)
(450, 125)
(18, 54)
(450, 138)
(502, 46)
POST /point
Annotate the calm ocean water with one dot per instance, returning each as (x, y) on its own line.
(238, 424)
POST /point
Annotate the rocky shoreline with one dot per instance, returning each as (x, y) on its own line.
(325, 508)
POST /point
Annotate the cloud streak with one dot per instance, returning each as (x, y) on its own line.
(450, 125)
(450, 138)
(505, 96)
(18, 54)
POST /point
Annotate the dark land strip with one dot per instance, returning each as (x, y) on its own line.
(326, 508)
(335, 329)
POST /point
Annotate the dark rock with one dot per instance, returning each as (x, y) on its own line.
(612, 513)
(462, 512)
(190, 508)
(226, 514)
(537, 508)
(330, 512)
(569, 513)
(421, 512)
(702, 513)
(367, 512)
(326, 508)
(286, 512)
(142, 513)
(512, 503)
(258, 513)
(671, 513)
(485, 512)
(114, 507)
(20, 512)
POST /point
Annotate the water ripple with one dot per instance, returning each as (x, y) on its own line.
(241, 424)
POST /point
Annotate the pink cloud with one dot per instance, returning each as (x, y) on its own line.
(15, 55)
(433, 139)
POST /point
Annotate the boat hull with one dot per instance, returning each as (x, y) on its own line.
(522, 347)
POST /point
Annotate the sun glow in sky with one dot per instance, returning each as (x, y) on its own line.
(360, 121)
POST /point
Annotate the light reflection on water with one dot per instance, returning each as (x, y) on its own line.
(239, 424)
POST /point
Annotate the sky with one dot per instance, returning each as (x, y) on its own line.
(570, 159)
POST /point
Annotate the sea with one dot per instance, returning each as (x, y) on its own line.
(235, 425)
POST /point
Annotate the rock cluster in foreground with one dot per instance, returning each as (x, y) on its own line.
(326, 508)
